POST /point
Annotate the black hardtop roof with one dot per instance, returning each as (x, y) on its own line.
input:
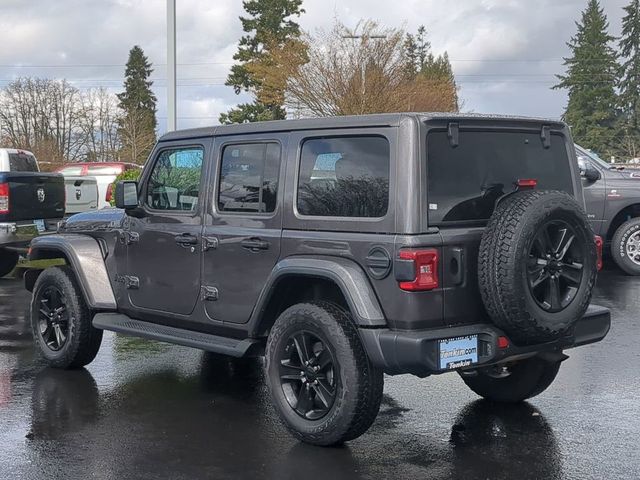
(351, 121)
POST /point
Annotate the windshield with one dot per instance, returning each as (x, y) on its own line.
(593, 156)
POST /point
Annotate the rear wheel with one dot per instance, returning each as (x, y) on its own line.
(321, 381)
(61, 320)
(8, 261)
(512, 382)
(625, 247)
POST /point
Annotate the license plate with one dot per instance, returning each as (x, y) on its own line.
(458, 352)
(40, 225)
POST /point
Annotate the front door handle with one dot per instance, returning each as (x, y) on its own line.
(254, 244)
(186, 240)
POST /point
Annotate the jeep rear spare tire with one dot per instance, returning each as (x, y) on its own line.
(537, 265)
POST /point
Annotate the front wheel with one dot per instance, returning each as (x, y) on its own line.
(514, 382)
(61, 320)
(321, 381)
(625, 247)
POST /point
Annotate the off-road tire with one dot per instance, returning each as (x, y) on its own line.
(83, 341)
(359, 383)
(8, 261)
(619, 243)
(502, 265)
(528, 378)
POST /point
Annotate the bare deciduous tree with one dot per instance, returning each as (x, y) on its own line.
(353, 72)
(136, 135)
(57, 122)
(99, 124)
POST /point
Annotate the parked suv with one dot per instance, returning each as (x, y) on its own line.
(612, 196)
(340, 249)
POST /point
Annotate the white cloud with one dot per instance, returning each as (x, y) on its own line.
(505, 52)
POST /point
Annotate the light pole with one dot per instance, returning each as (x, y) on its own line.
(171, 65)
(362, 69)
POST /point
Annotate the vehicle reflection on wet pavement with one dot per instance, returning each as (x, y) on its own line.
(151, 410)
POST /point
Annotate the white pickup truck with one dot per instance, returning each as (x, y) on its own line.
(32, 202)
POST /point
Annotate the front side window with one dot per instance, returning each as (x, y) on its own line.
(249, 178)
(344, 177)
(174, 183)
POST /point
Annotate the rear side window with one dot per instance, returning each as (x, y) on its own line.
(344, 177)
(465, 181)
(249, 178)
(22, 162)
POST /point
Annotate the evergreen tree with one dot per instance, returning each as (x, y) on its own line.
(591, 79)
(630, 81)
(138, 124)
(430, 69)
(268, 25)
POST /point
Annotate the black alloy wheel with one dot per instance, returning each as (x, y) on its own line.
(308, 375)
(555, 267)
(53, 319)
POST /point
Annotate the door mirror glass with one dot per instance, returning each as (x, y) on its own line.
(588, 171)
(127, 194)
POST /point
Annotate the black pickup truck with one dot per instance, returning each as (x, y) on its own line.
(29, 201)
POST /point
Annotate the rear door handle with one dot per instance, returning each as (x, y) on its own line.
(186, 240)
(254, 244)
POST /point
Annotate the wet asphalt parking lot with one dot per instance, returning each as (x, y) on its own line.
(151, 410)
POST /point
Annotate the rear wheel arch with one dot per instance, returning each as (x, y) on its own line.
(296, 280)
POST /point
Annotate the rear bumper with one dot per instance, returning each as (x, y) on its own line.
(417, 352)
(19, 234)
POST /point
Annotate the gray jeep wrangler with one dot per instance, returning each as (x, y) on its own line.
(341, 249)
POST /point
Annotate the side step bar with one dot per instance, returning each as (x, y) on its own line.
(119, 323)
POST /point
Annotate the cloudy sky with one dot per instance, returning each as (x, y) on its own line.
(504, 52)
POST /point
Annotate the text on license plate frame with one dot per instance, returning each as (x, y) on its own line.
(458, 352)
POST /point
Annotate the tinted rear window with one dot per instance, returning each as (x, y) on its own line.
(22, 162)
(344, 177)
(464, 182)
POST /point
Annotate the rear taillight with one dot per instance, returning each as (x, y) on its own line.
(109, 194)
(4, 198)
(599, 245)
(417, 269)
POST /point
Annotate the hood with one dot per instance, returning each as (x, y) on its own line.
(104, 219)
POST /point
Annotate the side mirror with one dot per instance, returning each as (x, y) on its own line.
(127, 194)
(587, 171)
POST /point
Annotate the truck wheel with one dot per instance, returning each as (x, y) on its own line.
(8, 261)
(514, 382)
(537, 265)
(321, 381)
(625, 247)
(61, 320)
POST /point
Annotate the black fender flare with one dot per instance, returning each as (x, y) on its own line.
(84, 255)
(345, 273)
